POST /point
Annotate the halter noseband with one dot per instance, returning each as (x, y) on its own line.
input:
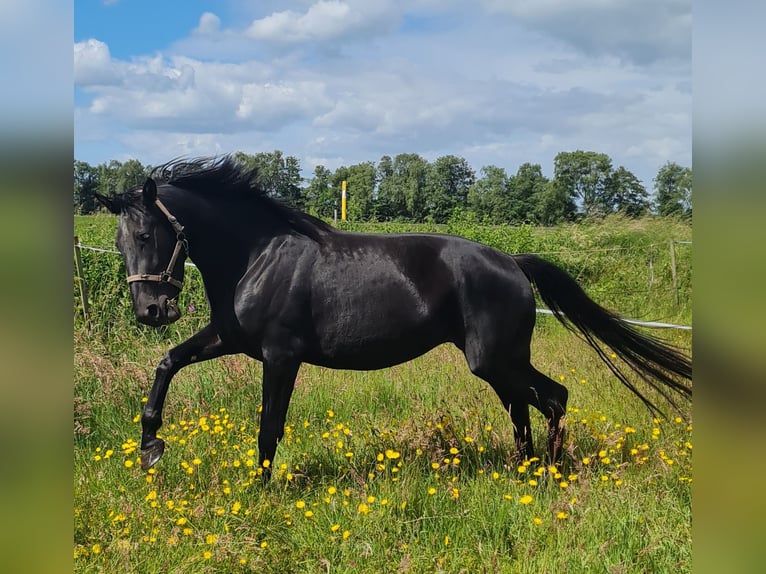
(181, 245)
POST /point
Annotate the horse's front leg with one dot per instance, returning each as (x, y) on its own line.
(204, 345)
(278, 384)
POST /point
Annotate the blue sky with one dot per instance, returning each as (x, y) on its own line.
(337, 82)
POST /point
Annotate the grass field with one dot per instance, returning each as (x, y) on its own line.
(409, 469)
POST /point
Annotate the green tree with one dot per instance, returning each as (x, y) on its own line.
(108, 178)
(86, 183)
(448, 180)
(585, 176)
(489, 198)
(627, 193)
(401, 187)
(390, 202)
(556, 204)
(673, 188)
(318, 196)
(278, 176)
(359, 191)
(130, 174)
(526, 191)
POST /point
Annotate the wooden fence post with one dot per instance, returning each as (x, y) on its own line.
(81, 283)
(673, 269)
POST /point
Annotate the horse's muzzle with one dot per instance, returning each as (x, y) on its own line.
(162, 312)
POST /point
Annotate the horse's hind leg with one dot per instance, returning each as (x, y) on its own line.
(517, 406)
(515, 400)
(550, 398)
(522, 428)
(520, 388)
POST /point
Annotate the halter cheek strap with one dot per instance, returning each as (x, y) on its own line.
(181, 245)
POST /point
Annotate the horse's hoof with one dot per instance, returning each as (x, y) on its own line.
(152, 453)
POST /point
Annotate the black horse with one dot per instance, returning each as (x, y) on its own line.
(287, 288)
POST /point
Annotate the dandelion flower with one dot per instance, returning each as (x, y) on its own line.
(526, 499)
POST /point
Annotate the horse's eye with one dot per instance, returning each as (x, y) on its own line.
(144, 236)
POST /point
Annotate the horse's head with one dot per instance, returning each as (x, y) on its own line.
(153, 246)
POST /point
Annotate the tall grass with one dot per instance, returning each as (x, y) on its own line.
(409, 469)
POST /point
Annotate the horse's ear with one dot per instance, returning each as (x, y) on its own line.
(108, 203)
(149, 191)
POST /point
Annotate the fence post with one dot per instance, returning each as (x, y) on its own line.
(81, 283)
(673, 269)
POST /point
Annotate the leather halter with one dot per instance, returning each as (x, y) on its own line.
(181, 245)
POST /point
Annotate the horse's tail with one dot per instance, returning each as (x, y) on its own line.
(659, 364)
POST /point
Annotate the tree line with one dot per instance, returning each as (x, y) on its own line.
(409, 188)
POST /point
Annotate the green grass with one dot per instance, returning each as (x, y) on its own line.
(409, 469)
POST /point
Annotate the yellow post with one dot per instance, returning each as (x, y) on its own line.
(343, 200)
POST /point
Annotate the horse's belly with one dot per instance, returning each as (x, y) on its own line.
(372, 355)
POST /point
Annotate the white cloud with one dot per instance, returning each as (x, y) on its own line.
(209, 23)
(324, 20)
(93, 64)
(190, 94)
(339, 82)
(639, 32)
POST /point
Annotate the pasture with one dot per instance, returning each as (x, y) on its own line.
(409, 469)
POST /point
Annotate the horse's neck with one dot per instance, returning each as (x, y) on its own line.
(224, 244)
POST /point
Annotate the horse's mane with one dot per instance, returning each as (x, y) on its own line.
(224, 175)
